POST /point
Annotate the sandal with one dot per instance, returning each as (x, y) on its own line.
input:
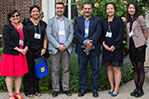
(11, 97)
(38, 94)
(30, 96)
(18, 96)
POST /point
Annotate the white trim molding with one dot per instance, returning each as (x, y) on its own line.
(48, 8)
(147, 19)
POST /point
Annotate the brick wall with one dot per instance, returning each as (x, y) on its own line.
(22, 6)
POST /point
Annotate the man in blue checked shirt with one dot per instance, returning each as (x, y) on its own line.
(87, 29)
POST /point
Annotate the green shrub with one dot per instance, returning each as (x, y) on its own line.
(46, 82)
(126, 69)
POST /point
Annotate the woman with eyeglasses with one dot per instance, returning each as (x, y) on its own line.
(137, 35)
(112, 56)
(35, 29)
(13, 63)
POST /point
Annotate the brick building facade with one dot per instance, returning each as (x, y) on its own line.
(21, 5)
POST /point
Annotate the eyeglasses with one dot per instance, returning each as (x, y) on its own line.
(13, 16)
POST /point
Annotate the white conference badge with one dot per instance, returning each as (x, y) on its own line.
(37, 36)
(86, 31)
(109, 34)
(61, 32)
(131, 34)
(21, 42)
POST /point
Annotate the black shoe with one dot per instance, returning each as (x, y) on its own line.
(82, 93)
(134, 92)
(67, 92)
(139, 93)
(55, 93)
(95, 94)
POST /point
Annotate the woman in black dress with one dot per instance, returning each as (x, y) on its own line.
(112, 56)
(35, 29)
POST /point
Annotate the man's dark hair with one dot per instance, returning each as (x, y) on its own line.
(137, 11)
(87, 3)
(61, 3)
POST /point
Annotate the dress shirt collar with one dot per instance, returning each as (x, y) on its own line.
(88, 18)
(60, 19)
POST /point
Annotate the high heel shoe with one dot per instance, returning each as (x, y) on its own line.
(18, 96)
(110, 92)
(11, 97)
(134, 92)
(38, 94)
(139, 93)
(114, 95)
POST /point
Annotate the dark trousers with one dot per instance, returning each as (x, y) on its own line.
(94, 64)
(30, 81)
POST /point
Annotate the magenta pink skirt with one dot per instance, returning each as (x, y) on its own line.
(13, 65)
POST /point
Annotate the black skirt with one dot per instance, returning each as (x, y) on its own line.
(136, 54)
(113, 64)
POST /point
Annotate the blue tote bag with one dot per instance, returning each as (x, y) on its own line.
(40, 67)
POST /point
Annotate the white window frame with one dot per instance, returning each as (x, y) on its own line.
(69, 8)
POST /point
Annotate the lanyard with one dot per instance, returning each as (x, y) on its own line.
(109, 27)
(131, 23)
(36, 28)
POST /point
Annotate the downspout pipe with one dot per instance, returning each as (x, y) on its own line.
(32, 2)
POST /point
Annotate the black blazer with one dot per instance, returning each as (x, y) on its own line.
(94, 34)
(11, 39)
(117, 28)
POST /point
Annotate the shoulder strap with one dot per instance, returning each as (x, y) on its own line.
(25, 21)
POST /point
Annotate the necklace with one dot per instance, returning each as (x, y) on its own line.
(19, 26)
(34, 21)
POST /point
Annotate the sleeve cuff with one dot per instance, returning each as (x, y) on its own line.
(84, 42)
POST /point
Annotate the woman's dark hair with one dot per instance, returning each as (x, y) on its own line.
(110, 3)
(11, 13)
(32, 7)
(137, 11)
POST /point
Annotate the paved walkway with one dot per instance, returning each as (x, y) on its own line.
(125, 91)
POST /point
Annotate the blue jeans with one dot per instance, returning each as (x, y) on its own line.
(94, 64)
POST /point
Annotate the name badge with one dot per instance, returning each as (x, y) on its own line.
(21, 42)
(37, 36)
(109, 34)
(61, 32)
(131, 34)
(86, 31)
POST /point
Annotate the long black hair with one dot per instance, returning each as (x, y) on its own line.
(137, 12)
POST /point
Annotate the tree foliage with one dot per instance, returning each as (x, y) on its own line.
(121, 6)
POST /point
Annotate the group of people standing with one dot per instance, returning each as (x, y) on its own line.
(23, 42)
